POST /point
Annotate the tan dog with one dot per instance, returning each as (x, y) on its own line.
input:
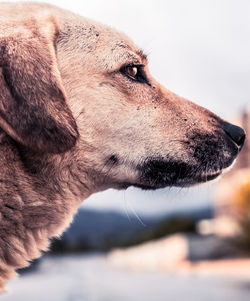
(79, 113)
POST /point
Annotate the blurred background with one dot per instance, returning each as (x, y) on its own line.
(170, 244)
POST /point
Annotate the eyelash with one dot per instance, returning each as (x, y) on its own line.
(140, 76)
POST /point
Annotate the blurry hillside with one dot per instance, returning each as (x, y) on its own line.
(94, 230)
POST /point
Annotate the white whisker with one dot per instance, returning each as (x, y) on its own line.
(126, 206)
(136, 215)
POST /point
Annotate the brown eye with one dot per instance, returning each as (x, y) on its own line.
(131, 71)
(135, 73)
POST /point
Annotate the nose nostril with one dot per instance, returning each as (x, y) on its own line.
(236, 133)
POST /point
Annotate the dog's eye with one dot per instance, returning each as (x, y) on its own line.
(135, 72)
(131, 71)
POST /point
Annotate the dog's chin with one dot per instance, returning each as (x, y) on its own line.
(160, 183)
(188, 182)
(156, 174)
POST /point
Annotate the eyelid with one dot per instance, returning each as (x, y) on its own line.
(135, 64)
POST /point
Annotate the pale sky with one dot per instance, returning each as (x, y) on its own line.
(198, 49)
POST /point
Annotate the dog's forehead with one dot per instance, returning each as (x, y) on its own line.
(118, 48)
(100, 44)
(120, 53)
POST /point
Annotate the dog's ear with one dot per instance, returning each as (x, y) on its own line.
(33, 105)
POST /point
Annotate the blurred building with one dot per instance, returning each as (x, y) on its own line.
(227, 186)
(244, 159)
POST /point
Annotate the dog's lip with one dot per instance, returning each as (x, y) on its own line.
(209, 176)
(198, 179)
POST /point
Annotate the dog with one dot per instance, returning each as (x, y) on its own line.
(80, 113)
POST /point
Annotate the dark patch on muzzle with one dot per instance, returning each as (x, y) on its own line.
(209, 154)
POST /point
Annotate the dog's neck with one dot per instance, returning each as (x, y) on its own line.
(42, 186)
(39, 196)
(57, 173)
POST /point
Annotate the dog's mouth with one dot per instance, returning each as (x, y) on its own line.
(187, 182)
(159, 174)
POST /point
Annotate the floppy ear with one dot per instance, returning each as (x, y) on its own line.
(33, 105)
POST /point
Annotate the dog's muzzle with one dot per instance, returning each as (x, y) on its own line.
(211, 153)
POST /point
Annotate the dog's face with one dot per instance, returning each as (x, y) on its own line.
(137, 132)
(73, 85)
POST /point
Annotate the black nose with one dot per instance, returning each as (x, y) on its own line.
(236, 133)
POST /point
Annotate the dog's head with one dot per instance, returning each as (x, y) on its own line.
(80, 76)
